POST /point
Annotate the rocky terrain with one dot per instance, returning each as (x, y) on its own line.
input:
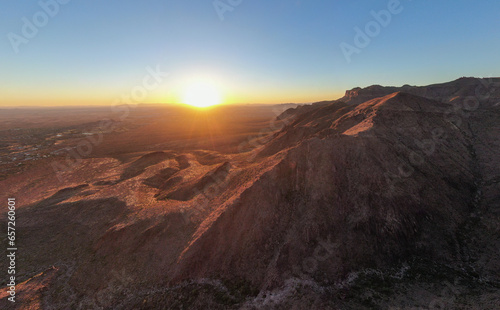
(388, 198)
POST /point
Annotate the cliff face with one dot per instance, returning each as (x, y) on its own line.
(486, 90)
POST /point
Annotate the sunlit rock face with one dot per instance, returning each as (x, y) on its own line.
(384, 176)
(380, 181)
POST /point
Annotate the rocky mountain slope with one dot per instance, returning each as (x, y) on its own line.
(387, 197)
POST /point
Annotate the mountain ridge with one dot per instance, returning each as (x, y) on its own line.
(328, 206)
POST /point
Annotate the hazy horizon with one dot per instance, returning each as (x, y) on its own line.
(107, 105)
(78, 53)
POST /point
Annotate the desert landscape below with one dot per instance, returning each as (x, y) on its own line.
(387, 198)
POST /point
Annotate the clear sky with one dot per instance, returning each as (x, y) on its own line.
(263, 51)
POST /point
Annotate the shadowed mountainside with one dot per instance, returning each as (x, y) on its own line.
(383, 197)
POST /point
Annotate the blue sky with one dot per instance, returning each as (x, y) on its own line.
(264, 51)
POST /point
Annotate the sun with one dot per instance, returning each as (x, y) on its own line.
(201, 95)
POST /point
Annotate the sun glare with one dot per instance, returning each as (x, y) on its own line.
(201, 95)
